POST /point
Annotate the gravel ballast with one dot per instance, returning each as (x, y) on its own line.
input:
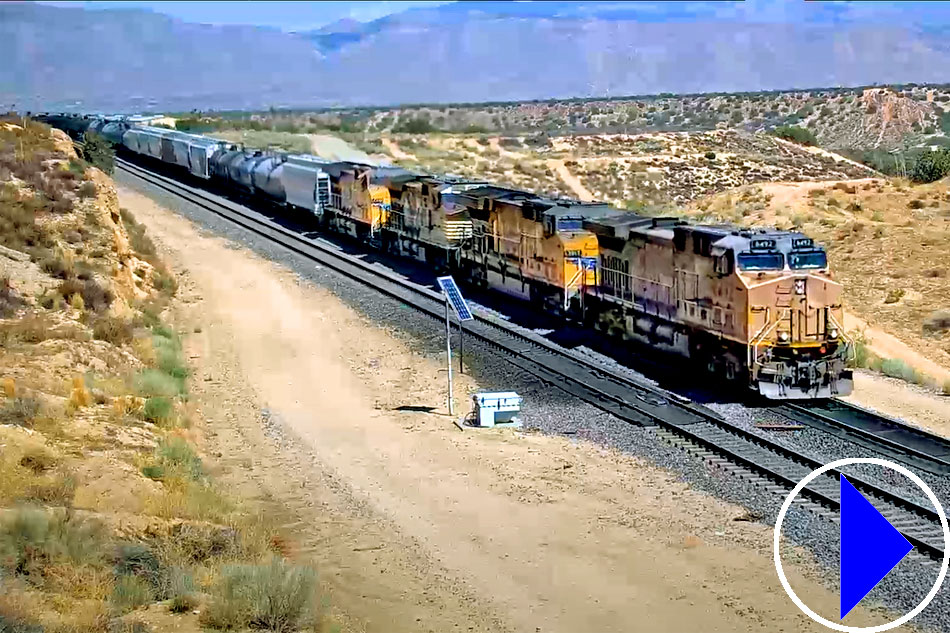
(549, 410)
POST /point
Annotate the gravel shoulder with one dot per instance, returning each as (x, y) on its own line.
(418, 526)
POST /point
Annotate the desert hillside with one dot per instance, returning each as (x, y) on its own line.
(109, 517)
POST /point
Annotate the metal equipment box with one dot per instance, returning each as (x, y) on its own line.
(497, 408)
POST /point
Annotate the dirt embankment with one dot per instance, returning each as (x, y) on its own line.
(421, 527)
(109, 520)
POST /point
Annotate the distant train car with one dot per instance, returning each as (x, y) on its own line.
(756, 305)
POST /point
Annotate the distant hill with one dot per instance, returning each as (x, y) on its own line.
(465, 51)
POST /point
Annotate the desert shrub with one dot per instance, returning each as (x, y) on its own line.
(896, 368)
(112, 330)
(31, 539)
(894, 295)
(915, 204)
(19, 411)
(277, 596)
(87, 190)
(931, 166)
(154, 382)
(130, 593)
(138, 240)
(181, 591)
(164, 282)
(710, 155)
(10, 301)
(937, 322)
(796, 134)
(98, 152)
(158, 409)
(877, 216)
(935, 273)
(175, 457)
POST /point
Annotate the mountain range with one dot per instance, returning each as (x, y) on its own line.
(135, 60)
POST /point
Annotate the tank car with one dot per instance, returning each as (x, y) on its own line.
(755, 305)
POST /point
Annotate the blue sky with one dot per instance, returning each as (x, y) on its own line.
(287, 16)
(298, 16)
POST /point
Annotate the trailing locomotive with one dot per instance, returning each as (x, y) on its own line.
(758, 306)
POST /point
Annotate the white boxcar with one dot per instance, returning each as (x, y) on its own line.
(306, 184)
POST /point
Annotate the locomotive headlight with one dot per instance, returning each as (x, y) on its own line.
(833, 333)
(783, 337)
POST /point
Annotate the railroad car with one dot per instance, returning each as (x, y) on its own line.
(531, 247)
(757, 305)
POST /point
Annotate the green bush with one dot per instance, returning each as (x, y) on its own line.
(796, 134)
(181, 591)
(276, 597)
(414, 126)
(931, 166)
(154, 382)
(158, 410)
(176, 455)
(896, 368)
(98, 152)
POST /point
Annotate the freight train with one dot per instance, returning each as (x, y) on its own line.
(758, 306)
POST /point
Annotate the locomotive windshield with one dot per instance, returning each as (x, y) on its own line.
(811, 259)
(570, 224)
(760, 261)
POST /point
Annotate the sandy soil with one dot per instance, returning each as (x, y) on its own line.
(418, 526)
(395, 150)
(888, 346)
(570, 180)
(896, 398)
(495, 144)
(335, 148)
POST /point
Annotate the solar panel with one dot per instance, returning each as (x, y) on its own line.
(455, 298)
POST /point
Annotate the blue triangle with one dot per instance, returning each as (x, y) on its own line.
(870, 547)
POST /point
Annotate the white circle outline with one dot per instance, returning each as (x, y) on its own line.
(778, 532)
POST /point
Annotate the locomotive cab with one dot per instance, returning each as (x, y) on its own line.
(796, 340)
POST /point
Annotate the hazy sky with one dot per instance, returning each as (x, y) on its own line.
(288, 16)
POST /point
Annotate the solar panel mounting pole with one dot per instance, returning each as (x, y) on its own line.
(448, 349)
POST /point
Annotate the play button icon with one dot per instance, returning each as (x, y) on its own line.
(870, 547)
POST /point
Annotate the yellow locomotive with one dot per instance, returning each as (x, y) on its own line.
(759, 305)
(753, 305)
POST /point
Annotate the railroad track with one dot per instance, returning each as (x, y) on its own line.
(892, 438)
(685, 424)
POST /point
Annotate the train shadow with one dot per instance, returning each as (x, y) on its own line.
(665, 370)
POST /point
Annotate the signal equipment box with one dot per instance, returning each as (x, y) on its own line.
(497, 408)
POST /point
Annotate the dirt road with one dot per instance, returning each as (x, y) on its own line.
(420, 527)
(570, 180)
